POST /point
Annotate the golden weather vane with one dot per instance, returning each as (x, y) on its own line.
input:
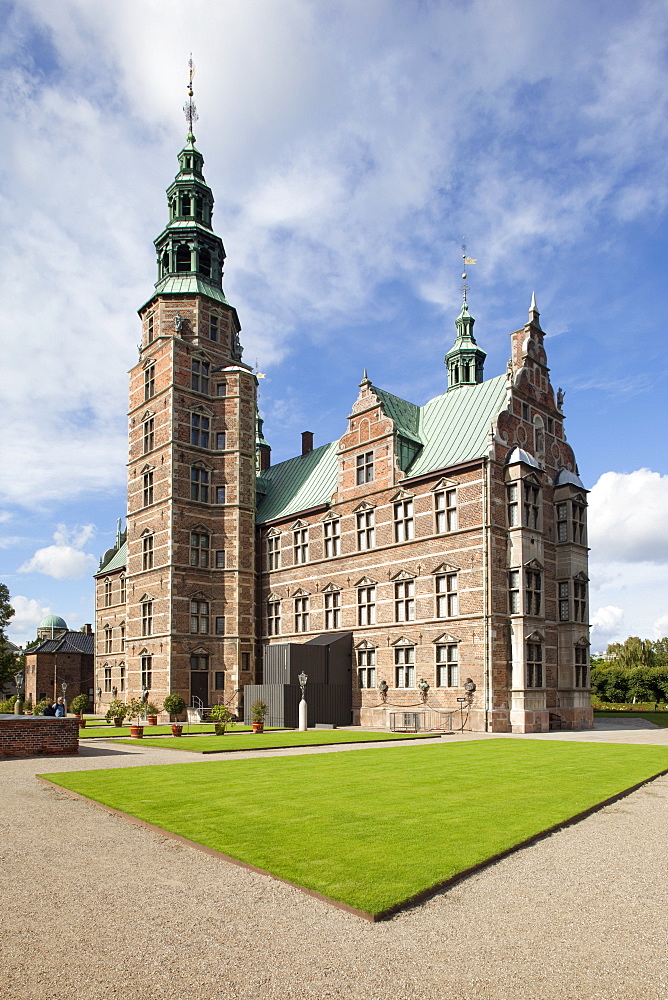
(467, 262)
(189, 108)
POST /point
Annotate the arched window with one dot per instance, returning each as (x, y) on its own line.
(205, 263)
(182, 257)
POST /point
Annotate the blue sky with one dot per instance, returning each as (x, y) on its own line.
(349, 146)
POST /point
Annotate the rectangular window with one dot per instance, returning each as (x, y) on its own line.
(404, 526)
(300, 545)
(199, 484)
(147, 618)
(274, 552)
(534, 665)
(199, 617)
(121, 635)
(447, 665)
(445, 504)
(219, 682)
(199, 662)
(213, 328)
(533, 596)
(366, 657)
(562, 522)
(220, 625)
(108, 641)
(564, 603)
(147, 436)
(121, 679)
(220, 558)
(123, 593)
(301, 614)
(107, 593)
(525, 411)
(513, 515)
(199, 376)
(273, 617)
(149, 329)
(146, 672)
(447, 595)
(531, 505)
(332, 538)
(221, 440)
(148, 488)
(221, 388)
(333, 609)
(366, 677)
(107, 680)
(147, 552)
(364, 468)
(404, 659)
(199, 549)
(245, 661)
(365, 530)
(404, 601)
(221, 494)
(149, 382)
(199, 430)
(579, 601)
(581, 666)
(366, 606)
(514, 591)
(578, 523)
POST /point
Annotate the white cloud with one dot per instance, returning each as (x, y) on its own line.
(661, 627)
(627, 517)
(64, 560)
(607, 626)
(28, 614)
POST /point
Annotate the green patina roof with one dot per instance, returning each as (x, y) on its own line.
(119, 560)
(451, 429)
(186, 284)
(298, 484)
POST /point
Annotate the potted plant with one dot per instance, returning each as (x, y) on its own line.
(78, 705)
(137, 711)
(174, 705)
(151, 712)
(222, 717)
(40, 706)
(259, 711)
(116, 712)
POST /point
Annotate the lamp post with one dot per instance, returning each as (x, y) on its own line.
(64, 689)
(303, 708)
(18, 704)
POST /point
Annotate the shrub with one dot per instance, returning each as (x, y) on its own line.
(173, 704)
(259, 711)
(221, 714)
(79, 704)
(40, 706)
(117, 710)
(7, 706)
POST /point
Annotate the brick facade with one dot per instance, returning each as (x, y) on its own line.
(23, 736)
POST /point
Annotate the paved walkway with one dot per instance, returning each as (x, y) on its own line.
(97, 908)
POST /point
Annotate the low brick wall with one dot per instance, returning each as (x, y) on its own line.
(38, 736)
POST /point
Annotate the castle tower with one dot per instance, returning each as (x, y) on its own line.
(190, 616)
(465, 359)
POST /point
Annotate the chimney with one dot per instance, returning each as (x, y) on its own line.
(87, 629)
(307, 442)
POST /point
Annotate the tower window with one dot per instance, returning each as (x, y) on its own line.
(221, 441)
(220, 625)
(199, 430)
(514, 591)
(148, 488)
(531, 505)
(183, 258)
(199, 376)
(220, 558)
(199, 549)
(123, 592)
(199, 484)
(213, 328)
(580, 667)
(147, 618)
(205, 264)
(185, 204)
(221, 389)
(107, 593)
(221, 494)
(149, 382)
(534, 665)
(198, 208)
(445, 503)
(148, 438)
(533, 587)
(511, 491)
(199, 617)
(146, 673)
(108, 640)
(149, 330)
(273, 617)
(147, 552)
(165, 262)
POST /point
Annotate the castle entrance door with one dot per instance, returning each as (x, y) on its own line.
(199, 685)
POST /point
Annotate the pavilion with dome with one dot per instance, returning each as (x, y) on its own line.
(61, 657)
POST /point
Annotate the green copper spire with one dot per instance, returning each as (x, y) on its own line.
(190, 255)
(465, 359)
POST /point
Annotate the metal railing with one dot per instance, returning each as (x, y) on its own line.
(421, 722)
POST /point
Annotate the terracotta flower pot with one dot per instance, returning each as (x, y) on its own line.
(137, 732)
(219, 728)
(258, 727)
(118, 722)
(177, 730)
(152, 720)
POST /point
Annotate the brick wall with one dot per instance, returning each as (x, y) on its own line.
(24, 736)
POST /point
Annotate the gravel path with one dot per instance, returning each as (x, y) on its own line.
(96, 908)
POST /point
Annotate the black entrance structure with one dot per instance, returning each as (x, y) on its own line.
(327, 661)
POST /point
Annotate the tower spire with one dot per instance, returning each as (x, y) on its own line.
(190, 108)
(465, 359)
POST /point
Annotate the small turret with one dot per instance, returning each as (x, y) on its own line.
(464, 360)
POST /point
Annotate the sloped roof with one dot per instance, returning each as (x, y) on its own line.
(186, 284)
(450, 429)
(70, 642)
(118, 561)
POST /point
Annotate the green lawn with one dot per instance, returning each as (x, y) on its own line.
(114, 732)
(374, 829)
(271, 740)
(658, 718)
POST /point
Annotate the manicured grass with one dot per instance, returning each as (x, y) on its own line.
(115, 732)
(271, 740)
(658, 718)
(374, 829)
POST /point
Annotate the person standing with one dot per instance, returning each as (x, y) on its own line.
(59, 708)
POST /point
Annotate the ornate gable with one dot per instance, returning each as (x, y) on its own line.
(445, 567)
(366, 581)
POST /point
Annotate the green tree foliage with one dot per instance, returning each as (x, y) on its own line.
(636, 668)
(9, 664)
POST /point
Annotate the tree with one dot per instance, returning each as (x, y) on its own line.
(9, 663)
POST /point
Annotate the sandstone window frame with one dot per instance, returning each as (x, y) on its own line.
(365, 527)
(534, 673)
(200, 546)
(146, 606)
(366, 604)
(404, 600)
(404, 666)
(149, 381)
(147, 487)
(332, 607)
(200, 429)
(108, 593)
(447, 594)
(148, 434)
(446, 517)
(147, 551)
(404, 520)
(300, 545)
(331, 530)
(581, 664)
(199, 483)
(273, 615)
(273, 550)
(447, 664)
(302, 612)
(200, 373)
(200, 617)
(364, 468)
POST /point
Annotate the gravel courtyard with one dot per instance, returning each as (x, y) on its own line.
(97, 908)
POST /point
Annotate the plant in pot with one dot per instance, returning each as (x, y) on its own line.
(222, 718)
(40, 706)
(116, 712)
(151, 713)
(137, 711)
(259, 711)
(78, 706)
(174, 705)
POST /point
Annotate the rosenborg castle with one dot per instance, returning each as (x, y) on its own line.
(432, 553)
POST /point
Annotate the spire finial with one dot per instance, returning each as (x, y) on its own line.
(467, 261)
(534, 315)
(189, 108)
